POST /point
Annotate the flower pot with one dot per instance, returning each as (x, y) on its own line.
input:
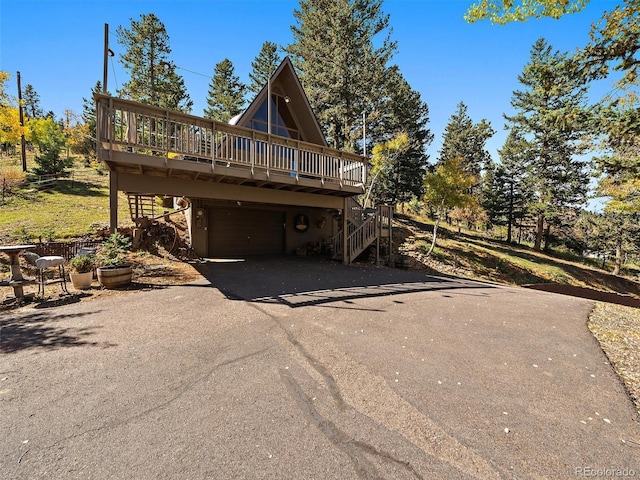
(81, 281)
(115, 277)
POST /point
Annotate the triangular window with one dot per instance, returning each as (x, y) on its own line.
(282, 122)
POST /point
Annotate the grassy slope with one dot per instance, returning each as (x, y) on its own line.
(470, 254)
(72, 208)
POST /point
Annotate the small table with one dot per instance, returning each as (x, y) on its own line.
(16, 280)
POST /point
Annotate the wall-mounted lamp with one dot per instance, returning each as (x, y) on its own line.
(287, 99)
(301, 223)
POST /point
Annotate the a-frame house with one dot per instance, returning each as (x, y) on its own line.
(264, 184)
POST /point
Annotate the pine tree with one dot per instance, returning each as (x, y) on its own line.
(50, 138)
(86, 145)
(341, 51)
(226, 93)
(406, 114)
(507, 192)
(263, 67)
(153, 78)
(466, 140)
(31, 101)
(552, 115)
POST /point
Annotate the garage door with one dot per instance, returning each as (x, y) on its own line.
(240, 232)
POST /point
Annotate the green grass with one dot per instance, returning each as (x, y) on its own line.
(73, 207)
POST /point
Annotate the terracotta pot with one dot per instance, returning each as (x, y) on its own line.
(81, 281)
(115, 277)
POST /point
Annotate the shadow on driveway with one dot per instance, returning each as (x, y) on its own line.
(44, 331)
(299, 282)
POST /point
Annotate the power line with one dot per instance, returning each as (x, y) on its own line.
(191, 71)
(113, 70)
(177, 67)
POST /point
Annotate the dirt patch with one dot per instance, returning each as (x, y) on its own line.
(164, 259)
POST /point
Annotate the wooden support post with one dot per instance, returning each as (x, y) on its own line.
(391, 259)
(345, 232)
(379, 229)
(113, 201)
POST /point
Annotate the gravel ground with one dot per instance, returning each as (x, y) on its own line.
(617, 328)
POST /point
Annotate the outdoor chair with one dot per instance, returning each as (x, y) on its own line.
(42, 264)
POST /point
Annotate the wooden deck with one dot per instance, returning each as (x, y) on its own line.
(140, 139)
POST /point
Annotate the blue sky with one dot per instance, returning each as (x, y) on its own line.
(57, 46)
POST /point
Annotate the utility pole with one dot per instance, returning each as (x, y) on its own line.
(23, 144)
(105, 67)
(67, 112)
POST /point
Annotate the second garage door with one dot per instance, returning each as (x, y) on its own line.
(239, 232)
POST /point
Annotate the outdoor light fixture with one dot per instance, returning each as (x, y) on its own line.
(301, 223)
(287, 99)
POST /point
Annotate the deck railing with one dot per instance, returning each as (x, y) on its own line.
(128, 126)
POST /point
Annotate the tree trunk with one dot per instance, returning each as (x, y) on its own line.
(510, 216)
(539, 230)
(618, 262)
(435, 227)
(547, 237)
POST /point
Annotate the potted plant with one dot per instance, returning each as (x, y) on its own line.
(82, 271)
(113, 270)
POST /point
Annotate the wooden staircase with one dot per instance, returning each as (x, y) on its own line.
(142, 206)
(364, 227)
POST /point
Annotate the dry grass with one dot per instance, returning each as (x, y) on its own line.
(617, 328)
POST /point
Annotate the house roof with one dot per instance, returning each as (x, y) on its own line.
(285, 83)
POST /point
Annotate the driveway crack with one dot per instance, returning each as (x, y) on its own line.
(356, 450)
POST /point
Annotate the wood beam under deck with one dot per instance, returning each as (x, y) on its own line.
(127, 162)
(143, 184)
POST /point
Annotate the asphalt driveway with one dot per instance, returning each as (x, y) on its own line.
(289, 368)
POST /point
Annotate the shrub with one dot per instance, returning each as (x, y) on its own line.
(112, 252)
(83, 263)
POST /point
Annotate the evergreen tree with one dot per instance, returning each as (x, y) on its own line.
(226, 93)
(341, 50)
(49, 136)
(551, 114)
(31, 101)
(507, 192)
(86, 144)
(466, 140)
(263, 67)
(406, 114)
(619, 167)
(618, 122)
(153, 78)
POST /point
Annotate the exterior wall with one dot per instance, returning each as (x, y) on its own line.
(205, 195)
(321, 223)
(199, 227)
(320, 228)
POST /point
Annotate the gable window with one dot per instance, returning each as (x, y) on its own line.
(282, 122)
